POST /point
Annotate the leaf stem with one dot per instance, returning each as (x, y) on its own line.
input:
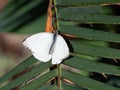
(55, 15)
(57, 28)
(59, 76)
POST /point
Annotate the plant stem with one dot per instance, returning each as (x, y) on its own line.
(57, 28)
(59, 76)
(56, 15)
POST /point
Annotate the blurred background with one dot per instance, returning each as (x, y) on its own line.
(18, 19)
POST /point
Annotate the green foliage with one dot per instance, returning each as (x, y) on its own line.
(75, 17)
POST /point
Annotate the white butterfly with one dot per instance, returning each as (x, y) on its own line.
(45, 46)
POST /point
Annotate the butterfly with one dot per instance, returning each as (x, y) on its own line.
(47, 46)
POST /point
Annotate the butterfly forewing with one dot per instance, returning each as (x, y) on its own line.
(39, 44)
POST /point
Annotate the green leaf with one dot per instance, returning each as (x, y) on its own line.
(76, 15)
(86, 82)
(19, 12)
(94, 50)
(92, 66)
(40, 81)
(90, 34)
(10, 21)
(70, 87)
(25, 64)
(35, 26)
(29, 75)
(48, 87)
(84, 2)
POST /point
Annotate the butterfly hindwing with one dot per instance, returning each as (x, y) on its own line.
(61, 50)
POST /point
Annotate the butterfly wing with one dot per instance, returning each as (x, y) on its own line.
(61, 50)
(39, 44)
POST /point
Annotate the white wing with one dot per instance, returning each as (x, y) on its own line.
(61, 50)
(39, 44)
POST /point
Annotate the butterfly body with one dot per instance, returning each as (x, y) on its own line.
(45, 46)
